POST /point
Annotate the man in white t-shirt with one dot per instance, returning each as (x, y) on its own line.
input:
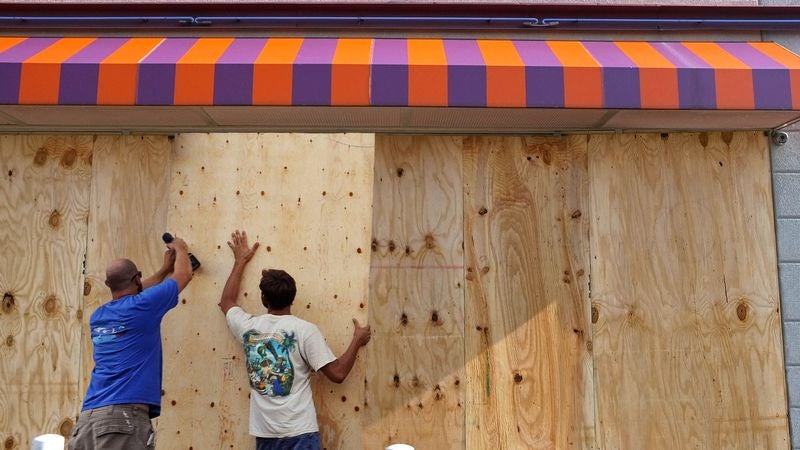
(281, 353)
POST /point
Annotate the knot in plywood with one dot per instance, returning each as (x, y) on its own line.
(703, 137)
(40, 157)
(66, 426)
(470, 274)
(68, 158)
(8, 302)
(55, 219)
(50, 304)
(727, 137)
(437, 393)
(742, 309)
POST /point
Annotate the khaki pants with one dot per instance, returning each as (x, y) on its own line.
(115, 427)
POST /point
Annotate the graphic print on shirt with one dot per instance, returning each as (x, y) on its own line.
(268, 364)
(105, 334)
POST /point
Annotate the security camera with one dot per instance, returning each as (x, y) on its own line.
(779, 137)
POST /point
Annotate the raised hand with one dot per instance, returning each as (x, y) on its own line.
(242, 253)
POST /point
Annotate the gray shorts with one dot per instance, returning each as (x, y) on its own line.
(115, 427)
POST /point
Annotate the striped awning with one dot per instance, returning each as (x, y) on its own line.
(398, 72)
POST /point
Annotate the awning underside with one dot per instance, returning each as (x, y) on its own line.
(756, 79)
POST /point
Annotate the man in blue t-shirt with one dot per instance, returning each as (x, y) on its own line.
(125, 390)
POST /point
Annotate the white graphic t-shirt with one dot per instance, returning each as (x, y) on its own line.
(281, 353)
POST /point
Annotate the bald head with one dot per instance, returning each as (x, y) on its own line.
(120, 274)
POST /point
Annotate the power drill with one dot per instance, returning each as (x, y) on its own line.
(167, 238)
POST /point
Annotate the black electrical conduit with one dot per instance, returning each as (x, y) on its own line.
(411, 22)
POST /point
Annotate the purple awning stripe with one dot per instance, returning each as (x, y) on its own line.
(11, 66)
(710, 75)
(311, 73)
(696, 81)
(544, 75)
(770, 78)
(749, 55)
(466, 73)
(157, 72)
(79, 74)
(620, 75)
(233, 74)
(26, 49)
(389, 73)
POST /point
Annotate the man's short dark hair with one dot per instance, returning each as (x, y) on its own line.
(277, 289)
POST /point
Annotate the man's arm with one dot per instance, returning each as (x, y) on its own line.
(166, 268)
(183, 267)
(242, 254)
(338, 369)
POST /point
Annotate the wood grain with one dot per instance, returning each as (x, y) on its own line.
(688, 350)
(416, 357)
(529, 369)
(307, 200)
(473, 267)
(44, 195)
(130, 182)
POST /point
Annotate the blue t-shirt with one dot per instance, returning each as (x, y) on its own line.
(126, 334)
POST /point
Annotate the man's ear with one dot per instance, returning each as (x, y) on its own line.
(106, 283)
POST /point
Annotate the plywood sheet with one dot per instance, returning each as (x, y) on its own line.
(527, 329)
(130, 185)
(687, 336)
(416, 357)
(44, 205)
(307, 199)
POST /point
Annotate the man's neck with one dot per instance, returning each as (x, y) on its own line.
(124, 293)
(280, 312)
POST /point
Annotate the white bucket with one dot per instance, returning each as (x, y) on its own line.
(48, 442)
